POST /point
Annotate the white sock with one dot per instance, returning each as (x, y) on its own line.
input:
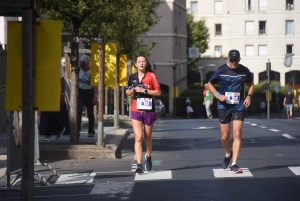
(227, 154)
(233, 163)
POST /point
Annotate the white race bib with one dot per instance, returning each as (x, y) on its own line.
(233, 97)
(144, 103)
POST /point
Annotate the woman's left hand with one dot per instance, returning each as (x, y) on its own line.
(139, 89)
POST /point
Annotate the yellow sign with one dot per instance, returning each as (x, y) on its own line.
(123, 70)
(48, 66)
(270, 93)
(176, 92)
(14, 67)
(110, 64)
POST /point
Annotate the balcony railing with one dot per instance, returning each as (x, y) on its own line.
(262, 32)
(290, 7)
(218, 33)
(249, 8)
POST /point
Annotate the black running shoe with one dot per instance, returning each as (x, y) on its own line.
(148, 165)
(139, 169)
(235, 169)
(226, 161)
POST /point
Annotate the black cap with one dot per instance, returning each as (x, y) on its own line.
(234, 55)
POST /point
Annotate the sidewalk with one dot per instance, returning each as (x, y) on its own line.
(62, 150)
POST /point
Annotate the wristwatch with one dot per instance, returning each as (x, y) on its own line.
(249, 95)
(146, 91)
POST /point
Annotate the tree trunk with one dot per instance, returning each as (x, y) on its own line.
(74, 132)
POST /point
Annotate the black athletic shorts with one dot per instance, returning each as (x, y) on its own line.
(226, 116)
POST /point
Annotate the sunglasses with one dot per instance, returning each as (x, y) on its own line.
(234, 60)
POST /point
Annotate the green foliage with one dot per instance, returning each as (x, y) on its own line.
(120, 21)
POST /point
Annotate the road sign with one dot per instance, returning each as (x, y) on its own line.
(194, 52)
(276, 89)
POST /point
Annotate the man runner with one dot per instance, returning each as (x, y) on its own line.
(232, 104)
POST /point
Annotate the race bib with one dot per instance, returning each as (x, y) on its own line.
(144, 103)
(233, 97)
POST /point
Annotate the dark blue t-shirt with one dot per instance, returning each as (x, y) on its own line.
(232, 80)
(289, 99)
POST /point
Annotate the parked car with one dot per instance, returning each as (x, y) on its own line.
(160, 108)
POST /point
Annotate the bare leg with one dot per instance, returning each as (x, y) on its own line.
(237, 139)
(291, 113)
(148, 138)
(225, 136)
(138, 133)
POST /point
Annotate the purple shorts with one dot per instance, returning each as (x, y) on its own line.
(146, 117)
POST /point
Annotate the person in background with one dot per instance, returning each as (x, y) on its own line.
(50, 120)
(262, 108)
(87, 94)
(143, 86)
(189, 108)
(208, 101)
(299, 103)
(288, 102)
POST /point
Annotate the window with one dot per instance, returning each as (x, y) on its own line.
(218, 7)
(249, 50)
(289, 4)
(262, 50)
(249, 28)
(218, 29)
(218, 51)
(263, 5)
(289, 27)
(262, 27)
(289, 49)
(194, 7)
(249, 5)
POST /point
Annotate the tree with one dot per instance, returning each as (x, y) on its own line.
(120, 21)
(197, 36)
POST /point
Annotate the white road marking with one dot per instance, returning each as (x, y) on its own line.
(111, 172)
(253, 124)
(205, 127)
(262, 127)
(76, 178)
(112, 190)
(295, 170)
(246, 122)
(154, 175)
(221, 173)
(288, 136)
(274, 130)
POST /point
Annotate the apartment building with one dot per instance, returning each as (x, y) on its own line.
(170, 50)
(262, 30)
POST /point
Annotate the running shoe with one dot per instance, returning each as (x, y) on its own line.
(148, 165)
(235, 169)
(226, 161)
(139, 169)
(60, 133)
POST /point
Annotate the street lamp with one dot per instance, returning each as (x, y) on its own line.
(173, 63)
(202, 69)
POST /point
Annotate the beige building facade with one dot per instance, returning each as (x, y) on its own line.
(170, 37)
(262, 30)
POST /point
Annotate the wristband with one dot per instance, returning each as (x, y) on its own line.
(217, 94)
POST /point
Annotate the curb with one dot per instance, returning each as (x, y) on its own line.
(85, 150)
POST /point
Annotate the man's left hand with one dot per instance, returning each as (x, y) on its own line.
(247, 101)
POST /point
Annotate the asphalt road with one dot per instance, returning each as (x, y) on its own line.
(187, 155)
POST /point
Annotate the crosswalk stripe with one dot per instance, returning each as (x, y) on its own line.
(219, 173)
(154, 175)
(288, 136)
(76, 178)
(295, 170)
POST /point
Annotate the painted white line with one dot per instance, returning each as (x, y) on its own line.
(112, 190)
(76, 178)
(112, 172)
(295, 170)
(246, 122)
(288, 136)
(274, 130)
(221, 173)
(154, 175)
(204, 128)
(253, 124)
(262, 127)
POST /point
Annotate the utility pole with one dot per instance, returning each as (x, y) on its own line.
(268, 71)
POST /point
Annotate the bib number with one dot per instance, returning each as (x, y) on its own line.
(144, 103)
(233, 97)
